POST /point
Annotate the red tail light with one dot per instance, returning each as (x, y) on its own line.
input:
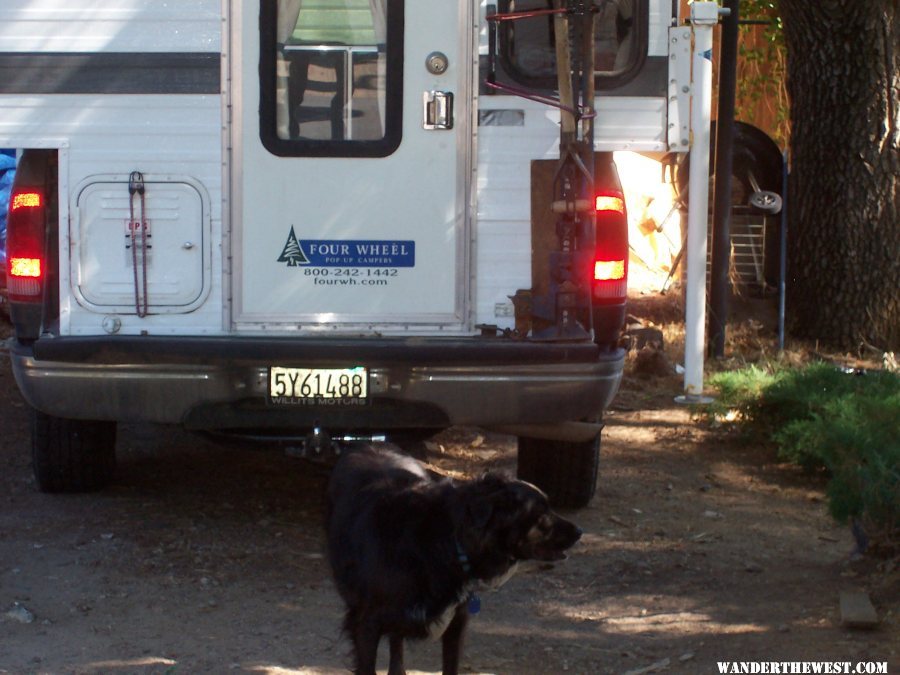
(25, 238)
(610, 203)
(610, 281)
(26, 200)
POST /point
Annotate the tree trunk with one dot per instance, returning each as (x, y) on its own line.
(844, 219)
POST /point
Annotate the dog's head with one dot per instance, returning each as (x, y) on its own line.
(509, 520)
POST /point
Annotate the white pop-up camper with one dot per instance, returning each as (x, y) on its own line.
(347, 216)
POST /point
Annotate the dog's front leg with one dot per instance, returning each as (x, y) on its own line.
(451, 642)
(396, 665)
(366, 635)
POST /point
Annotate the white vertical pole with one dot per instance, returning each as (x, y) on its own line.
(704, 16)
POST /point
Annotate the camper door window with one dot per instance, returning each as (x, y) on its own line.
(528, 48)
(332, 72)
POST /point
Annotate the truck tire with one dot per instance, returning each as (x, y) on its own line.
(72, 455)
(566, 471)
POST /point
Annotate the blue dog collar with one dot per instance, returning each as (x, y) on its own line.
(473, 602)
(462, 557)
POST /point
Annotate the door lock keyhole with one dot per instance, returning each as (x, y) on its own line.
(437, 63)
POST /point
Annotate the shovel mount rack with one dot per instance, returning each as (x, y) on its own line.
(562, 308)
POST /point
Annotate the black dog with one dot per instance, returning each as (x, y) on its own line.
(408, 548)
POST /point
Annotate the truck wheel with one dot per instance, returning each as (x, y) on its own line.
(72, 455)
(566, 471)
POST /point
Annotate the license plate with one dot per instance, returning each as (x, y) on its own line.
(318, 386)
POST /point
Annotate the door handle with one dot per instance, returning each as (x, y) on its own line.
(438, 109)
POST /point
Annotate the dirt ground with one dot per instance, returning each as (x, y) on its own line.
(208, 558)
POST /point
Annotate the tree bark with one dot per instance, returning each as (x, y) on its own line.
(843, 63)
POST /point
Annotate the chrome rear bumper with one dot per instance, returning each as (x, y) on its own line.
(221, 383)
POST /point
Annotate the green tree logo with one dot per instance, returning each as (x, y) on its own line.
(292, 254)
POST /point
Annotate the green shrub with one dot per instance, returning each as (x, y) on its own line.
(741, 391)
(821, 417)
(856, 437)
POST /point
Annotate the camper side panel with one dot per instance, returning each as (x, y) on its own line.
(87, 26)
(130, 86)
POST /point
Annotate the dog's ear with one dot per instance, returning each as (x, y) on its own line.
(485, 495)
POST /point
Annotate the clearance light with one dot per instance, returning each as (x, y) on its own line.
(25, 267)
(610, 203)
(609, 270)
(26, 200)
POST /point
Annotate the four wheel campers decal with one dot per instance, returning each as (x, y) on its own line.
(347, 253)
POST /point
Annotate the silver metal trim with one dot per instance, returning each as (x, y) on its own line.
(679, 90)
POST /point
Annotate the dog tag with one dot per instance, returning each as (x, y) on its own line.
(474, 604)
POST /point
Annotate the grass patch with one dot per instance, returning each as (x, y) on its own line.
(822, 417)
